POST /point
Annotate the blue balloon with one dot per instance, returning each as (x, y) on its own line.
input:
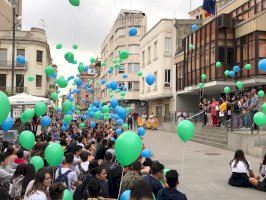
(195, 27)
(141, 131)
(21, 60)
(71, 99)
(53, 75)
(78, 91)
(124, 76)
(45, 121)
(96, 103)
(122, 112)
(116, 116)
(103, 81)
(110, 71)
(113, 85)
(236, 69)
(92, 124)
(78, 81)
(146, 153)
(125, 195)
(133, 31)
(86, 68)
(114, 103)
(232, 74)
(64, 128)
(83, 100)
(117, 108)
(91, 114)
(150, 79)
(125, 88)
(118, 131)
(262, 65)
(68, 96)
(70, 78)
(120, 122)
(7, 124)
(58, 110)
(112, 139)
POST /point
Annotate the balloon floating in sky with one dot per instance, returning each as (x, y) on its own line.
(30, 78)
(185, 130)
(218, 64)
(200, 86)
(45, 121)
(203, 77)
(261, 93)
(227, 73)
(191, 46)
(194, 27)
(123, 54)
(49, 70)
(133, 31)
(103, 63)
(239, 84)
(260, 119)
(62, 82)
(54, 96)
(54, 154)
(232, 74)
(74, 2)
(139, 73)
(248, 66)
(227, 90)
(21, 60)
(75, 46)
(26, 139)
(236, 69)
(92, 60)
(7, 124)
(59, 46)
(40, 109)
(262, 65)
(69, 56)
(150, 79)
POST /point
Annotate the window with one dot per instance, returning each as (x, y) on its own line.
(167, 78)
(143, 57)
(168, 45)
(38, 81)
(136, 85)
(39, 56)
(121, 69)
(155, 50)
(19, 83)
(155, 74)
(133, 49)
(130, 86)
(149, 54)
(143, 84)
(121, 85)
(121, 32)
(3, 82)
(3, 57)
(133, 67)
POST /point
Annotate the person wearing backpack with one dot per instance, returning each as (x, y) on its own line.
(66, 175)
(82, 169)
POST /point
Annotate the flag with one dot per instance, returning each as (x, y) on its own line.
(209, 6)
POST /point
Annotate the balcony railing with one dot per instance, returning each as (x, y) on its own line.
(17, 90)
(6, 64)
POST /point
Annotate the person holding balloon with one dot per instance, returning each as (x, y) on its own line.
(254, 106)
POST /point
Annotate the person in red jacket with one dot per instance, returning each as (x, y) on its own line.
(20, 158)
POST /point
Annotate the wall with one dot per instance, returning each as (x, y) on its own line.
(188, 103)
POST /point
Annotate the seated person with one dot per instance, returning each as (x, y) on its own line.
(171, 192)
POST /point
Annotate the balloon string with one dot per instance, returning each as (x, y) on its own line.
(183, 160)
(122, 176)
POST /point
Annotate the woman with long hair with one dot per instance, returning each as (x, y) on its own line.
(260, 185)
(17, 181)
(56, 191)
(30, 175)
(141, 191)
(241, 171)
(39, 188)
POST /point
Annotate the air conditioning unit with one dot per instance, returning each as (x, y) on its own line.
(223, 21)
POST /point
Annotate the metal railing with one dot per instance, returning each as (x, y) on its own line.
(8, 64)
(7, 90)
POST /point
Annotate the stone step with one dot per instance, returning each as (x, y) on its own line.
(216, 135)
(213, 144)
(212, 139)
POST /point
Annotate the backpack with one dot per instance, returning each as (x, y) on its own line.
(63, 177)
(83, 173)
(81, 192)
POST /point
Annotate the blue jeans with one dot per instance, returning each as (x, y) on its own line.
(247, 121)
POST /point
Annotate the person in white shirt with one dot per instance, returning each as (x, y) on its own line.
(72, 179)
(82, 168)
(76, 150)
(260, 185)
(241, 171)
(38, 188)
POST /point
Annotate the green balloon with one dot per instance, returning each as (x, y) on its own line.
(239, 84)
(82, 125)
(218, 64)
(59, 46)
(200, 86)
(97, 114)
(81, 68)
(123, 93)
(165, 170)
(5, 107)
(30, 78)
(203, 77)
(227, 90)
(67, 106)
(191, 46)
(37, 162)
(263, 107)
(67, 195)
(125, 126)
(185, 130)
(26, 139)
(106, 116)
(77, 112)
(62, 82)
(260, 119)
(114, 61)
(128, 148)
(67, 119)
(248, 66)
(261, 93)
(92, 60)
(103, 63)
(123, 54)
(40, 109)
(128, 109)
(49, 70)
(54, 154)
(75, 46)
(139, 73)
(69, 56)
(106, 109)
(27, 115)
(227, 73)
(54, 96)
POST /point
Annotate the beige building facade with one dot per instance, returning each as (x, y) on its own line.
(34, 47)
(158, 48)
(118, 39)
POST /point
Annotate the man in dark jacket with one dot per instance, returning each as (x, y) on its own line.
(170, 192)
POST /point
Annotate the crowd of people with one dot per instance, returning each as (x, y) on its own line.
(236, 111)
(89, 168)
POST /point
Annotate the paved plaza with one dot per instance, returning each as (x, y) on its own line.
(206, 169)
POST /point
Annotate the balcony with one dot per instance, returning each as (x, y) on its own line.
(17, 90)
(5, 64)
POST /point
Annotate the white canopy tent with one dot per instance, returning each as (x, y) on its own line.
(26, 99)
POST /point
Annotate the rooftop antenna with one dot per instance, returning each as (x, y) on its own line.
(42, 24)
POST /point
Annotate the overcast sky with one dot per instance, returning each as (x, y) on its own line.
(88, 24)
